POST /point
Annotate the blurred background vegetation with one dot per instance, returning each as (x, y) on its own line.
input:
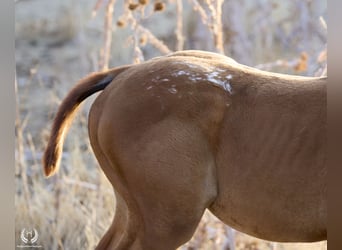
(59, 42)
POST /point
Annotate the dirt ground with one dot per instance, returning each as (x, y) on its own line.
(58, 42)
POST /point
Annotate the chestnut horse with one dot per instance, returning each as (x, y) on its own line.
(195, 130)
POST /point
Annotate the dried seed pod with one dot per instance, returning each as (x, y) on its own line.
(143, 2)
(302, 64)
(159, 6)
(143, 40)
(133, 6)
(120, 23)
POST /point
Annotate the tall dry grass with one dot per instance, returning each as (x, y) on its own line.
(73, 209)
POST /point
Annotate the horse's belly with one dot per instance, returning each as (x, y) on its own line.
(275, 209)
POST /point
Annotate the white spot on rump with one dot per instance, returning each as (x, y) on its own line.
(215, 78)
(204, 72)
(173, 90)
(182, 73)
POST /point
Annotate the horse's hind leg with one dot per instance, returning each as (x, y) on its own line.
(161, 215)
(122, 232)
(165, 178)
(171, 178)
(167, 184)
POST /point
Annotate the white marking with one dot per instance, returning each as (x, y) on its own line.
(156, 79)
(195, 78)
(211, 74)
(173, 90)
(215, 78)
(182, 73)
(228, 87)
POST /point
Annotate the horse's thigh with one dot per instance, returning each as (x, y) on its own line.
(170, 172)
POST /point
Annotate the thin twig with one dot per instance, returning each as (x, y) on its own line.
(20, 145)
(32, 149)
(158, 44)
(96, 8)
(108, 35)
(323, 23)
(217, 26)
(197, 7)
(138, 56)
(179, 25)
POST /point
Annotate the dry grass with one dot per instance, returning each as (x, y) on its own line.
(73, 209)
